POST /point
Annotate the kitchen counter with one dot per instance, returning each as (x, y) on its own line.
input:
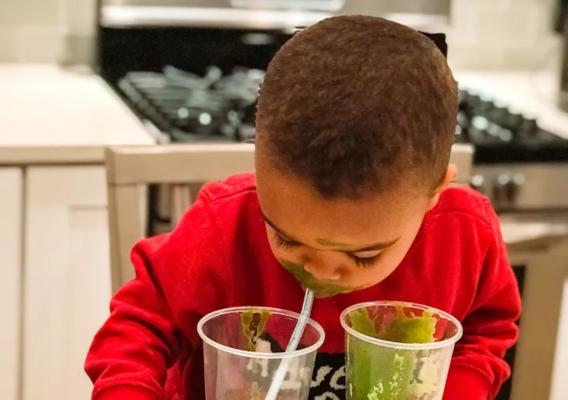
(51, 115)
(55, 125)
(534, 93)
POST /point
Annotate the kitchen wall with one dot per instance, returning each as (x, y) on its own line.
(495, 34)
(47, 30)
(482, 33)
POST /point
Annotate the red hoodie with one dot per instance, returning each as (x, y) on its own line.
(218, 256)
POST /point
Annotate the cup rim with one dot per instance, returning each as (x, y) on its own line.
(260, 354)
(403, 346)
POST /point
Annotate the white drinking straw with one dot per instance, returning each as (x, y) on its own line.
(282, 369)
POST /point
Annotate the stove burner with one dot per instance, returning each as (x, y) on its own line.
(502, 136)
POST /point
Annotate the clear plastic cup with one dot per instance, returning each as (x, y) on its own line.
(243, 347)
(398, 350)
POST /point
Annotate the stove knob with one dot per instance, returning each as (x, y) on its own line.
(518, 182)
(478, 183)
(506, 189)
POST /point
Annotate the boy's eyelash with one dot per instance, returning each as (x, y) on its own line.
(360, 261)
(364, 262)
(285, 242)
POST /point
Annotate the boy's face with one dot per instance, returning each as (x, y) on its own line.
(337, 246)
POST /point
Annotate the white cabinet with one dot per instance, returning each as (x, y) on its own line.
(10, 281)
(67, 278)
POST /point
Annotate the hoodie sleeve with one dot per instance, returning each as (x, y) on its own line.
(478, 369)
(179, 277)
(131, 353)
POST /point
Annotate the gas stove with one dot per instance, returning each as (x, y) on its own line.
(502, 136)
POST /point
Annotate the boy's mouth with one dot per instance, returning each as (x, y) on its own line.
(320, 289)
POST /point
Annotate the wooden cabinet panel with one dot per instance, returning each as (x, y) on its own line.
(10, 283)
(67, 278)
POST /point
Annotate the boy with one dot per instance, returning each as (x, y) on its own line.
(355, 122)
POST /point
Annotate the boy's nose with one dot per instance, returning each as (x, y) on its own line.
(322, 270)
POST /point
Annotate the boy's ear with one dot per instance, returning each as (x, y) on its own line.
(449, 177)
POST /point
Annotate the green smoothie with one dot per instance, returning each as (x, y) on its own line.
(253, 322)
(383, 373)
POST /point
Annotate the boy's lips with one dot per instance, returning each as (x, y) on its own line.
(320, 288)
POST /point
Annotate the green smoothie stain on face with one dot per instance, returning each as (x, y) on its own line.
(320, 289)
(330, 243)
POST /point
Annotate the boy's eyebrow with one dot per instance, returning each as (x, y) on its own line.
(374, 246)
(277, 229)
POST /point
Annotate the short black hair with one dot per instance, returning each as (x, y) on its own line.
(357, 105)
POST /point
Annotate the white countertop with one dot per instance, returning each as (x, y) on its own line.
(534, 93)
(52, 115)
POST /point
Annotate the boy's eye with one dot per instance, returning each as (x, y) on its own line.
(285, 242)
(367, 253)
(365, 261)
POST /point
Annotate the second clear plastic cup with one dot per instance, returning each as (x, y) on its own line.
(243, 347)
(398, 350)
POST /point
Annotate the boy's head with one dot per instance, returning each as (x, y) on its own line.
(355, 123)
